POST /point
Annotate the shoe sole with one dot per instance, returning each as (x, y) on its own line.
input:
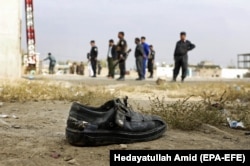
(96, 138)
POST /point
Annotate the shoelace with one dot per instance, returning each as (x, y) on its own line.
(127, 109)
(124, 106)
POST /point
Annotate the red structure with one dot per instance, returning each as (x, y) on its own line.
(32, 57)
(30, 30)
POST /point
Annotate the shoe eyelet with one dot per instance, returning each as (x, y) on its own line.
(111, 124)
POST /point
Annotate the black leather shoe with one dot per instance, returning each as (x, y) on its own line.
(112, 123)
(121, 79)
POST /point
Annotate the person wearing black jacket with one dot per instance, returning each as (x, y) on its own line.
(181, 56)
(111, 57)
(139, 53)
(93, 56)
(151, 59)
(52, 63)
(121, 49)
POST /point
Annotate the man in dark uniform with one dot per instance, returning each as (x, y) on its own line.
(99, 67)
(111, 57)
(151, 59)
(52, 63)
(121, 49)
(139, 53)
(181, 56)
(93, 56)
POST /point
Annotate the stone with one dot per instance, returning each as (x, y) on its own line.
(16, 126)
(67, 158)
(123, 146)
(73, 162)
(55, 155)
(15, 117)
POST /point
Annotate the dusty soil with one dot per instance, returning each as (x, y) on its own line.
(39, 133)
(37, 137)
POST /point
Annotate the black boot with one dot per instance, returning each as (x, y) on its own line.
(174, 79)
(182, 79)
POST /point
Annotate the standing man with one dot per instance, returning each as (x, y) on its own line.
(121, 49)
(139, 59)
(93, 56)
(112, 56)
(181, 56)
(145, 56)
(90, 70)
(52, 63)
(99, 67)
(151, 59)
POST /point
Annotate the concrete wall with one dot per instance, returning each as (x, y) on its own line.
(233, 73)
(164, 72)
(168, 72)
(10, 38)
(207, 72)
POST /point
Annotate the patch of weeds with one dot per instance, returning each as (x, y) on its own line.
(177, 95)
(43, 90)
(126, 89)
(145, 90)
(233, 91)
(186, 115)
(168, 86)
(183, 114)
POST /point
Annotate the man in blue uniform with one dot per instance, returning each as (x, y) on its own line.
(145, 56)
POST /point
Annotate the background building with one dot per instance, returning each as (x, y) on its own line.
(206, 69)
(244, 61)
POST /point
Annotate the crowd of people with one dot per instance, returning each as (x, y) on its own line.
(144, 58)
(117, 55)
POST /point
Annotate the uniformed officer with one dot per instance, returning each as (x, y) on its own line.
(139, 53)
(121, 49)
(111, 57)
(181, 56)
(52, 63)
(93, 56)
(151, 59)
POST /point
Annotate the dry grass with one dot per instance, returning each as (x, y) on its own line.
(168, 86)
(187, 115)
(232, 91)
(134, 88)
(22, 91)
(181, 114)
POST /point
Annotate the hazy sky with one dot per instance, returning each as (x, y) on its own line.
(220, 29)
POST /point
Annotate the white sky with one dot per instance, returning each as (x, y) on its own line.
(219, 28)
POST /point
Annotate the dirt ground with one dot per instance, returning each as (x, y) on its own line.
(34, 134)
